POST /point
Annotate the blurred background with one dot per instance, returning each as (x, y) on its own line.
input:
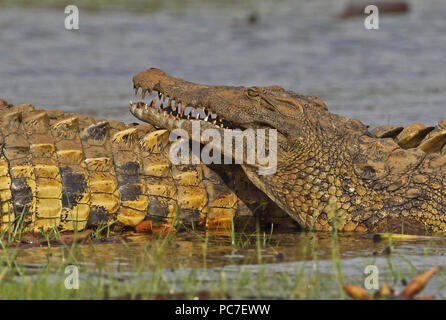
(396, 74)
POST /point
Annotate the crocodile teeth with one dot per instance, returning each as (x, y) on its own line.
(164, 105)
(198, 113)
(182, 110)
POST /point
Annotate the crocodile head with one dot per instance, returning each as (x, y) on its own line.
(298, 120)
(177, 103)
(330, 170)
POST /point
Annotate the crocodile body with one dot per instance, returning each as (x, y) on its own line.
(332, 172)
(73, 171)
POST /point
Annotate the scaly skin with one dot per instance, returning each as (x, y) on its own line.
(331, 170)
(73, 171)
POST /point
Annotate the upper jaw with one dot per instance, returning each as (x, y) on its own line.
(173, 99)
(178, 99)
(162, 110)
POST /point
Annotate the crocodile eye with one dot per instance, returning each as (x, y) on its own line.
(252, 93)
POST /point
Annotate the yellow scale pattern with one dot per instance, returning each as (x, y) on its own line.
(72, 171)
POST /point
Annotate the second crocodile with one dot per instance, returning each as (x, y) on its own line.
(70, 171)
(331, 171)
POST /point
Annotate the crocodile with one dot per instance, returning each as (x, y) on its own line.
(332, 172)
(70, 171)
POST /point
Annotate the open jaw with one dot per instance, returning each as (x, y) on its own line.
(164, 112)
(172, 103)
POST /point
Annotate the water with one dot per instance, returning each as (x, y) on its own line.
(395, 75)
(284, 258)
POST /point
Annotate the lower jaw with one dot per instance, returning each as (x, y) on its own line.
(161, 119)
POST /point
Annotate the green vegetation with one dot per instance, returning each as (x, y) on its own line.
(222, 264)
